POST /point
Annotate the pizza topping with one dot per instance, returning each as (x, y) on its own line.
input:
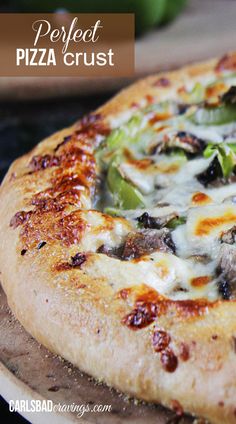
(227, 271)
(194, 96)
(223, 112)
(126, 196)
(146, 241)
(200, 198)
(225, 154)
(147, 221)
(224, 289)
(182, 140)
(113, 252)
(207, 225)
(179, 152)
(212, 173)
(200, 281)
(229, 98)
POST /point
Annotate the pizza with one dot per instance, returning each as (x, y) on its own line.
(118, 241)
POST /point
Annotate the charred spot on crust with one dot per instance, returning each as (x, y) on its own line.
(177, 407)
(160, 340)
(162, 82)
(214, 337)
(63, 142)
(75, 262)
(41, 244)
(91, 125)
(39, 162)
(143, 315)
(150, 304)
(213, 172)
(184, 352)
(70, 185)
(227, 62)
(23, 252)
(78, 260)
(169, 360)
(19, 218)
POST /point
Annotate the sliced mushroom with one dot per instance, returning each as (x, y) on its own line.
(231, 199)
(181, 140)
(113, 252)
(148, 221)
(227, 270)
(212, 174)
(144, 242)
(229, 236)
(203, 259)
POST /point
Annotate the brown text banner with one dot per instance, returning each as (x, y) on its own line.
(63, 44)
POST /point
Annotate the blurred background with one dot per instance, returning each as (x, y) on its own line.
(169, 34)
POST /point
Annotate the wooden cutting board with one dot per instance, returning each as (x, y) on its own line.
(29, 371)
(205, 29)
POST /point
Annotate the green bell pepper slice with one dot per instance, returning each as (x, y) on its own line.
(126, 196)
(225, 155)
(219, 115)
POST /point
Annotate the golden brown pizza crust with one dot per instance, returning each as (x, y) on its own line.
(181, 353)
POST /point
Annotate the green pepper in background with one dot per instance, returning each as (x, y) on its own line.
(219, 115)
(172, 9)
(147, 12)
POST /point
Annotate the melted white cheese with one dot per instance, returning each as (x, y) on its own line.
(172, 180)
